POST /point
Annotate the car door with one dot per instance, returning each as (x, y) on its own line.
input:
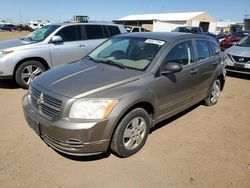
(70, 49)
(207, 60)
(175, 91)
(94, 35)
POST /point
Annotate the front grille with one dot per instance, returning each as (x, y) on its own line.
(241, 59)
(45, 103)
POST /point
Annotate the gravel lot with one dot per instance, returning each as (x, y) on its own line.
(203, 147)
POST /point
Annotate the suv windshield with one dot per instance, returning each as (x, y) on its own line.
(127, 52)
(42, 33)
(245, 42)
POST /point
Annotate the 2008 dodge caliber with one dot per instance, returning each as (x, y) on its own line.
(112, 97)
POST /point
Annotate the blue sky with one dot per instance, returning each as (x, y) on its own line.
(106, 10)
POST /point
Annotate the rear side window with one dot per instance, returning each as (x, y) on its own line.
(94, 32)
(215, 49)
(182, 53)
(68, 33)
(113, 30)
(203, 49)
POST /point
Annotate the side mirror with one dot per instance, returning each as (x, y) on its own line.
(56, 39)
(171, 67)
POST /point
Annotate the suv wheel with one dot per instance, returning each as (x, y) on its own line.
(214, 93)
(27, 71)
(131, 133)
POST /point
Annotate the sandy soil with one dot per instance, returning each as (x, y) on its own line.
(203, 147)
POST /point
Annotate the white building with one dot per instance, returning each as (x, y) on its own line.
(169, 21)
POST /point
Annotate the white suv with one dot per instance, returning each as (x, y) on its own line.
(50, 46)
(135, 29)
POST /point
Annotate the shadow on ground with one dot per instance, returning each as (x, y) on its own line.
(238, 75)
(108, 153)
(8, 84)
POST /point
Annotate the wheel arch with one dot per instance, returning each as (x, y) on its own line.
(41, 60)
(144, 104)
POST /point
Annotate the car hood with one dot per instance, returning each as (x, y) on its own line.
(12, 43)
(84, 77)
(239, 51)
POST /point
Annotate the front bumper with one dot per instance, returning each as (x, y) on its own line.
(73, 138)
(233, 66)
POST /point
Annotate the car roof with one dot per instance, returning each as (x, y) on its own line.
(87, 23)
(165, 36)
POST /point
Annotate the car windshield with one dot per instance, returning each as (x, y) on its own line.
(245, 42)
(41, 34)
(127, 52)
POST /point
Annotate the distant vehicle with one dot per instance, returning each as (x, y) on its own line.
(238, 57)
(135, 29)
(195, 30)
(230, 40)
(80, 19)
(112, 98)
(23, 27)
(8, 27)
(50, 46)
(36, 24)
(187, 29)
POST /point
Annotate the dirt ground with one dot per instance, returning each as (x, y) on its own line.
(203, 147)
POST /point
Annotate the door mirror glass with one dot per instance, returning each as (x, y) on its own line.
(56, 39)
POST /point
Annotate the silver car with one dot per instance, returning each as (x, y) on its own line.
(238, 57)
(50, 46)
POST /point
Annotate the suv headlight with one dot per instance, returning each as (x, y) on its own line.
(92, 108)
(4, 52)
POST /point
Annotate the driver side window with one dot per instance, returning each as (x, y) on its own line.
(181, 53)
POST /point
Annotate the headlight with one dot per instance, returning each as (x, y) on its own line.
(4, 52)
(92, 108)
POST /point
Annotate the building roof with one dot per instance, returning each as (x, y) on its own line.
(183, 16)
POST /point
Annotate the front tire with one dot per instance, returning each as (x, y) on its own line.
(27, 71)
(131, 133)
(214, 93)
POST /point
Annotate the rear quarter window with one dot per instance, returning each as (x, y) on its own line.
(113, 30)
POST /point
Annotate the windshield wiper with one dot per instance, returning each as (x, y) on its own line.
(92, 59)
(120, 65)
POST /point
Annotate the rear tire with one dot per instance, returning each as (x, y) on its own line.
(131, 133)
(214, 93)
(27, 71)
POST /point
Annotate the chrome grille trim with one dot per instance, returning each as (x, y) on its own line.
(45, 104)
(241, 59)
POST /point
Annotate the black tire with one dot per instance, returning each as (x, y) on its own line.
(214, 93)
(30, 68)
(120, 143)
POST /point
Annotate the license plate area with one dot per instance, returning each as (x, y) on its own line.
(34, 125)
(239, 65)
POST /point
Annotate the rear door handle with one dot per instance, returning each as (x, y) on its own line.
(82, 45)
(215, 62)
(194, 71)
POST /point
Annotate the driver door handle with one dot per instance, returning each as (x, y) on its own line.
(194, 71)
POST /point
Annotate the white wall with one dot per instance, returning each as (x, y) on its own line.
(166, 26)
(195, 23)
(212, 27)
